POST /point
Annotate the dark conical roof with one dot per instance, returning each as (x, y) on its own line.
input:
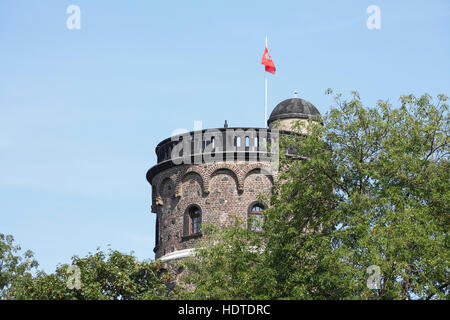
(294, 108)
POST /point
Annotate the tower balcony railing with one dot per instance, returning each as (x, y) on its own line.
(221, 144)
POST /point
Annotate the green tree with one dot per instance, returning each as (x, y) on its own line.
(12, 263)
(228, 264)
(103, 276)
(368, 187)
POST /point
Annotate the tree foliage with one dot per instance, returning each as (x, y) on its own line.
(108, 275)
(13, 264)
(368, 187)
(228, 264)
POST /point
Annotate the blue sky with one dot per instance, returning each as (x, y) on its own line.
(82, 110)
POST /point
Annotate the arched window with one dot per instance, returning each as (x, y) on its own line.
(255, 217)
(195, 219)
(192, 219)
(157, 232)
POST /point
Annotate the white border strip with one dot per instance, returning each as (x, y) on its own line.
(177, 254)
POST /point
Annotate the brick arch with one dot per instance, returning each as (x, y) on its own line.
(258, 168)
(163, 182)
(182, 174)
(231, 168)
(156, 189)
(227, 171)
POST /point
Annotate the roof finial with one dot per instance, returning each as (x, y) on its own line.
(225, 124)
(295, 93)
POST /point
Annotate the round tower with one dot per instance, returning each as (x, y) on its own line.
(214, 175)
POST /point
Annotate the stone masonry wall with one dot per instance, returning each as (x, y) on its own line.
(221, 190)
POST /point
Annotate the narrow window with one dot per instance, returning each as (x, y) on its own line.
(195, 217)
(157, 231)
(256, 220)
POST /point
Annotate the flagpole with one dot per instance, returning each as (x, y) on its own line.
(265, 96)
(265, 105)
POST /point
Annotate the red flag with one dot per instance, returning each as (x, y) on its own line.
(267, 61)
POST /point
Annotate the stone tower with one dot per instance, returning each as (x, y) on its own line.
(210, 176)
